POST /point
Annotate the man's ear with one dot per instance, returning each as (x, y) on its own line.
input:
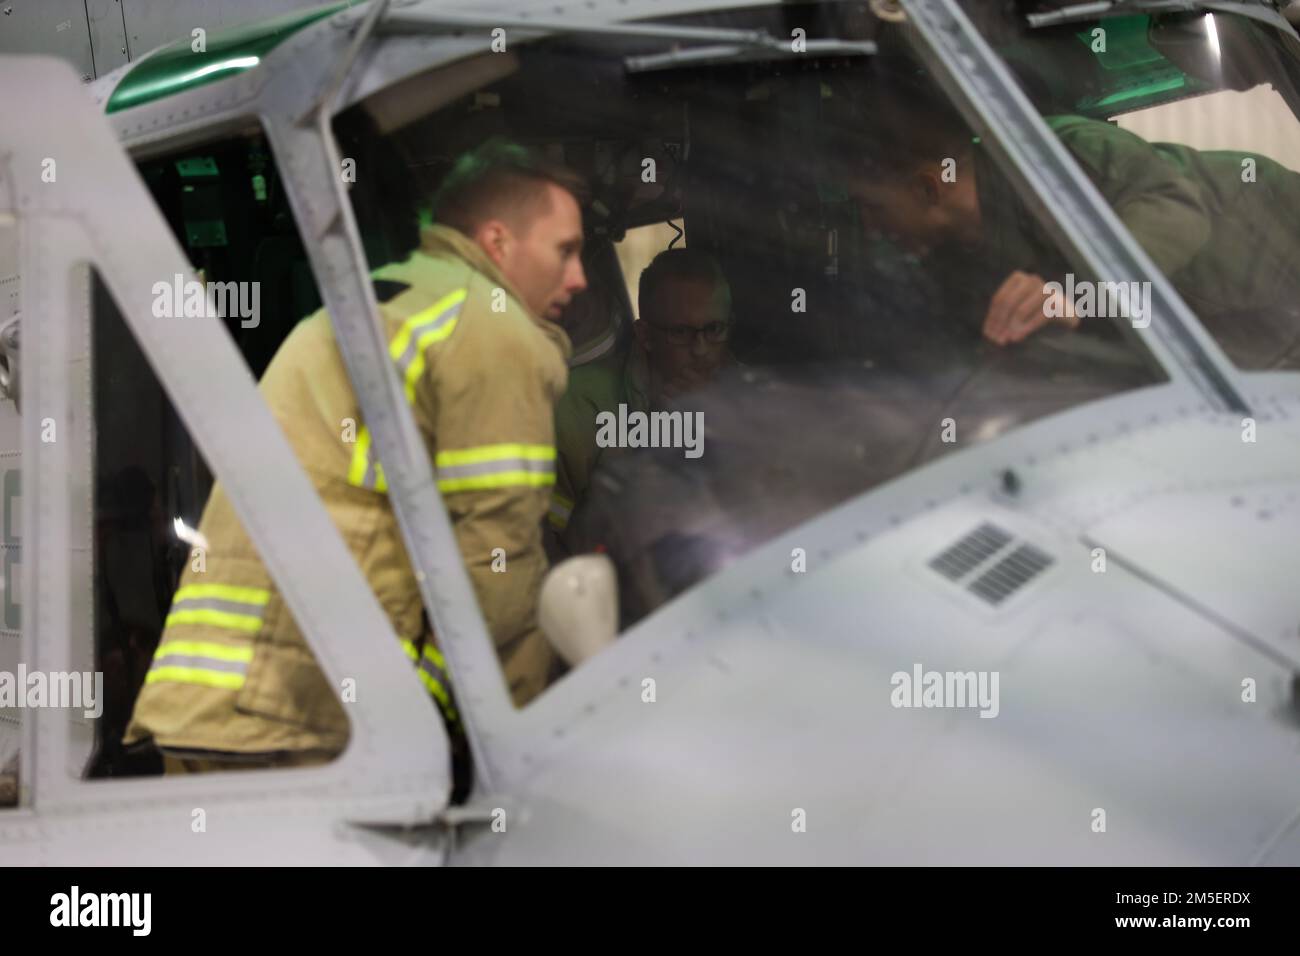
(494, 237)
(926, 186)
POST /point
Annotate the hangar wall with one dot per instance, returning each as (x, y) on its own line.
(1257, 120)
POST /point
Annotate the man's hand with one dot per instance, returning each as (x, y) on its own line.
(1021, 306)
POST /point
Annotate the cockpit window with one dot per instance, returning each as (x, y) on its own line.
(857, 292)
(1186, 123)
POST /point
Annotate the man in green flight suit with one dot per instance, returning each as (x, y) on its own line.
(680, 343)
(1219, 224)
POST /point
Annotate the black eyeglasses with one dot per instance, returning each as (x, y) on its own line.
(714, 332)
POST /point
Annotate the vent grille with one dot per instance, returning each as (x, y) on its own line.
(1011, 574)
(971, 551)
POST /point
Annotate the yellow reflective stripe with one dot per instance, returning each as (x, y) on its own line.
(416, 368)
(221, 652)
(439, 693)
(410, 359)
(365, 470)
(506, 479)
(485, 453)
(226, 592)
(194, 675)
(363, 461)
(235, 622)
(431, 683)
(495, 466)
(397, 348)
(357, 470)
(432, 653)
(560, 511)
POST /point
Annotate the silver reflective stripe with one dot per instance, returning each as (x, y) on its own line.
(417, 332)
(217, 604)
(443, 695)
(202, 663)
(496, 467)
(560, 512)
(595, 351)
(371, 478)
(430, 668)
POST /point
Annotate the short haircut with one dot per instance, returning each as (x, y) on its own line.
(501, 180)
(893, 130)
(683, 264)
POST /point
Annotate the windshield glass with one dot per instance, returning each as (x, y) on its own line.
(831, 314)
(1186, 123)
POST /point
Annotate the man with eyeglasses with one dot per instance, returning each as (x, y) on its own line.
(680, 345)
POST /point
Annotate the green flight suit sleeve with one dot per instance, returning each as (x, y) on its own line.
(1164, 209)
(575, 433)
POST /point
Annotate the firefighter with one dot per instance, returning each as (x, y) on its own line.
(471, 321)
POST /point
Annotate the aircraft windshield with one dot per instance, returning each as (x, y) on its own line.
(1186, 123)
(846, 310)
